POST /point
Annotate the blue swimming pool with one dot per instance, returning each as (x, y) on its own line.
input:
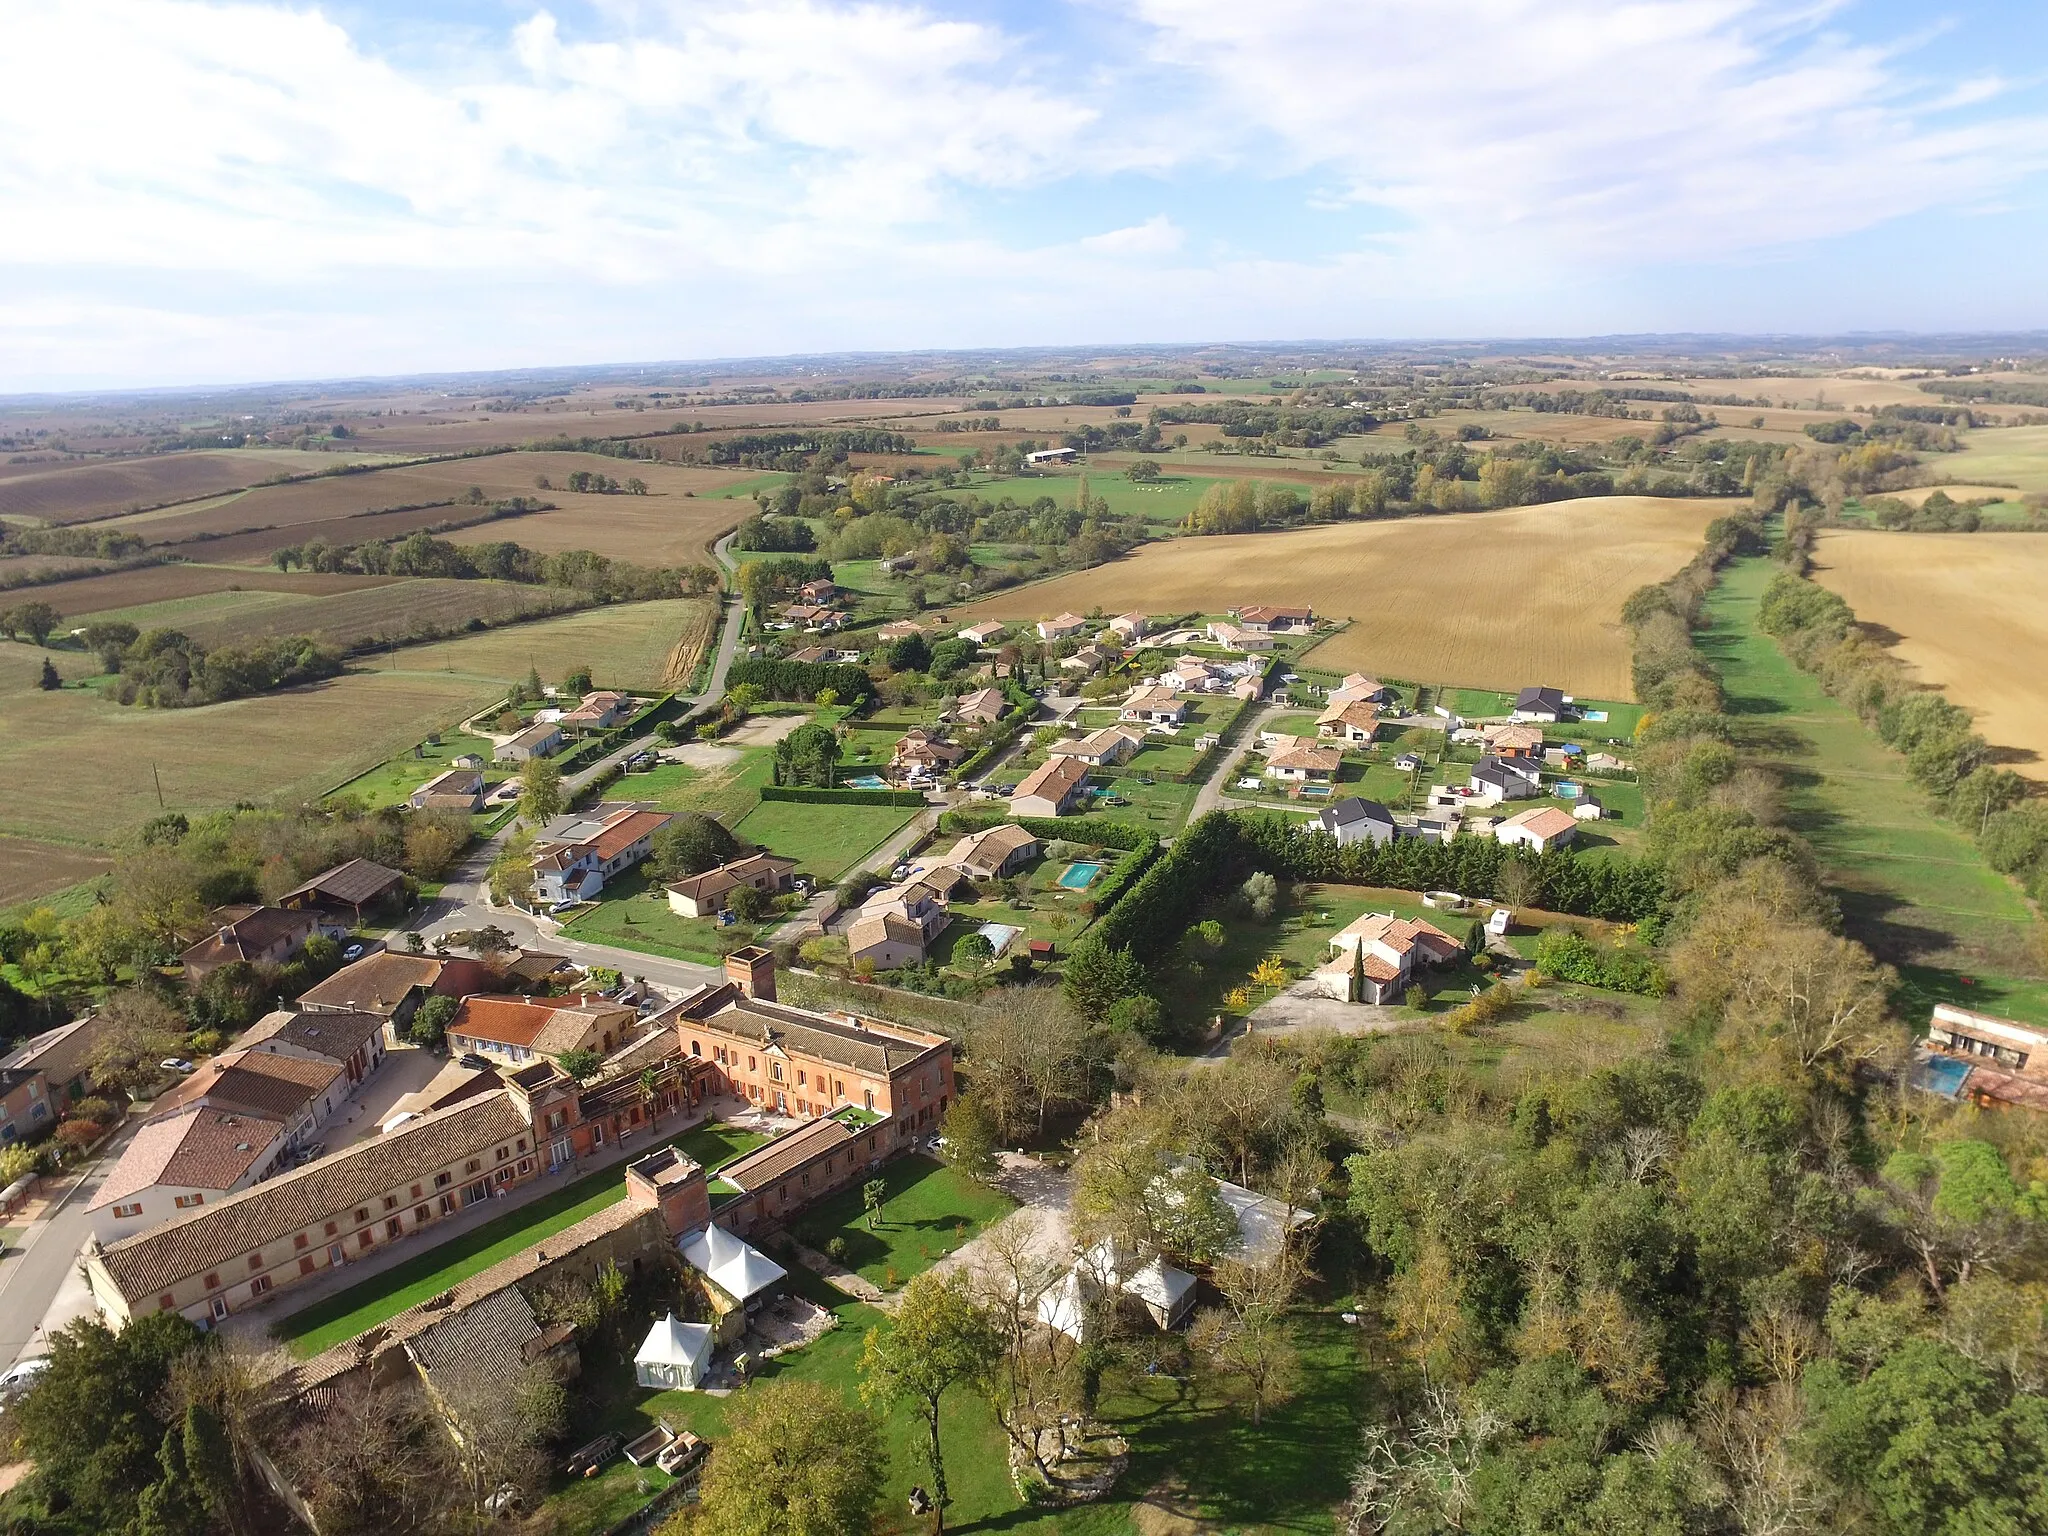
(867, 781)
(1080, 875)
(1942, 1074)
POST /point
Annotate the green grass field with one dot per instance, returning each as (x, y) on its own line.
(433, 1269)
(392, 782)
(825, 840)
(633, 913)
(930, 1210)
(1913, 887)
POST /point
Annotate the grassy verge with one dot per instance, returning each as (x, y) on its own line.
(1913, 888)
(432, 1270)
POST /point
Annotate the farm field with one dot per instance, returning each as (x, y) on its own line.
(71, 493)
(1494, 599)
(625, 645)
(159, 584)
(498, 475)
(380, 609)
(1912, 888)
(1964, 608)
(259, 537)
(75, 763)
(2017, 456)
(1918, 494)
(31, 869)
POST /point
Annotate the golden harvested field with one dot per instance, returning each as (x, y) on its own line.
(254, 548)
(378, 610)
(1483, 599)
(625, 646)
(1969, 612)
(162, 583)
(75, 492)
(30, 869)
(1918, 494)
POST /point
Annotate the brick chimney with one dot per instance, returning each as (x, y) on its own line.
(752, 970)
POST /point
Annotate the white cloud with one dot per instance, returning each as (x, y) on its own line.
(1615, 130)
(235, 187)
(1157, 236)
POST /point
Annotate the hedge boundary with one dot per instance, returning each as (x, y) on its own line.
(805, 794)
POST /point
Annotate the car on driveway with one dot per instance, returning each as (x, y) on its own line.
(177, 1064)
(353, 952)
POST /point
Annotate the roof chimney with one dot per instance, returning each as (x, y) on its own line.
(752, 970)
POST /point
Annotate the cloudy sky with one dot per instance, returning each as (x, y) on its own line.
(201, 192)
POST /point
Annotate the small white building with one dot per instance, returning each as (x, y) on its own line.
(1542, 829)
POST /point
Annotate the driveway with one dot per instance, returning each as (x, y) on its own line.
(1210, 796)
(1044, 1195)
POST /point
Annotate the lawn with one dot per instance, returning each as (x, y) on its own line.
(1913, 888)
(392, 782)
(633, 913)
(825, 840)
(930, 1210)
(433, 1269)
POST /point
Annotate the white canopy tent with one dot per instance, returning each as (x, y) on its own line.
(675, 1355)
(742, 1272)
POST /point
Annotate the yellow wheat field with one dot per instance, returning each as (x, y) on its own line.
(1482, 599)
(1969, 612)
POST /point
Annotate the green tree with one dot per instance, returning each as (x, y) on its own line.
(750, 904)
(691, 844)
(429, 1026)
(872, 1194)
(90, 1421)
(795, 1459)
(540, 791)
(50, 679)
(580, 1064)
(938, 1338)
(1096, 977)
(1935, 1443)
(971, 1137)
(807, 755)
(37, 620)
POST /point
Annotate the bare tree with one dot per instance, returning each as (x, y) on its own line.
(1027, 1386)
(1423, 1465)
(1029, 1054)
(1248, 1341)
(371, 1461)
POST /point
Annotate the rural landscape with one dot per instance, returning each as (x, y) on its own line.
(1111, 768)
(1262, 783)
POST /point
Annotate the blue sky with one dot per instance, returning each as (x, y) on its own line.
(203, 192)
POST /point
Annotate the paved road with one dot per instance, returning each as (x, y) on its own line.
(31, 1279)
(1210, 796)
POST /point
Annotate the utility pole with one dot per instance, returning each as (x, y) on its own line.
(159, 785)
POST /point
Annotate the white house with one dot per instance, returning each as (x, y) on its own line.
(1050, 789)
(576, 854)
(180, 1162)
(1238, 638)
(1542, 828)
(1304, 764)
(1494, 779)
(1376, 957)
(1354, 723)
(1154, 704)
(1270, 619)
(895, 926)
(540, 740)
(1548, 705)
(985, 633)
(1131, 626)
(1109, 747)
(1060, 626)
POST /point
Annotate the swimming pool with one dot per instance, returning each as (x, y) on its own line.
(1079, 876)
(867, 781)
(999, 935)
(1941, 1074)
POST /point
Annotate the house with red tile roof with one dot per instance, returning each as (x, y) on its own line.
(1376, 957)
(524, 1029)
(576, 854)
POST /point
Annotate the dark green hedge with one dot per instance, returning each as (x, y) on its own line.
(801, 680)
(806, 795)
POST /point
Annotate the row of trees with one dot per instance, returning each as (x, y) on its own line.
(594, 577)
